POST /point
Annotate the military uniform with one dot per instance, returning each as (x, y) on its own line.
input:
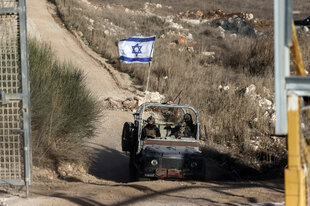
(150, 130)
(191, 127)
(182, 131)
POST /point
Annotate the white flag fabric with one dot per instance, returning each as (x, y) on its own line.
(137, 49)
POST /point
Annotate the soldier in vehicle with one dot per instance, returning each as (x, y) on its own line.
(150, 130)
(182, 131)
(190, 126)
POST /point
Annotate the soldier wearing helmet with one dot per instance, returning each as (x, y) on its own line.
(150, 130)
(191, 127)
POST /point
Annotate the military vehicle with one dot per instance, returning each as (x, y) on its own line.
(167, 156)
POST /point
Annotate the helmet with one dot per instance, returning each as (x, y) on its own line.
(187, 117)
(151, 118)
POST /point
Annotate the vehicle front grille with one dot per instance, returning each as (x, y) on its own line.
(172, 163)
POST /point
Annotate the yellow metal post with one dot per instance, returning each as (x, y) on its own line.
(295, 177)
(297, 56)
(295, 189)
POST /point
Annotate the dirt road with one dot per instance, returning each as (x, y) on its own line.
(45, 26)
(110, 168)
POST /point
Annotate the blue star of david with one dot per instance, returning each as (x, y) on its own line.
(136, 49)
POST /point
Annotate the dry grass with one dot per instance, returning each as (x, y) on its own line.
(231, 118)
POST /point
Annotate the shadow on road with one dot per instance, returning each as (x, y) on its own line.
(84, 201)
(226, 190)
(109, 164)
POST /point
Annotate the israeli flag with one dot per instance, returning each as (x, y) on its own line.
(137, 49)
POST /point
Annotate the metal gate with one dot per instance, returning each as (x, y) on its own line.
(15, 137)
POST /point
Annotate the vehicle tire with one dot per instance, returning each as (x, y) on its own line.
(127, 137)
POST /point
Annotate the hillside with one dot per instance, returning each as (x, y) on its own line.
(220, 62)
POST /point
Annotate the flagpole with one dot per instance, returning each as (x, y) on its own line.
(148, 77)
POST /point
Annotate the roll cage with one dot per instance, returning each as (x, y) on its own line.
(139, 113)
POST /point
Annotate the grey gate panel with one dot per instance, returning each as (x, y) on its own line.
(15, 138)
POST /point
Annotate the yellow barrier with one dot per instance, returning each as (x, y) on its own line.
(296, 175)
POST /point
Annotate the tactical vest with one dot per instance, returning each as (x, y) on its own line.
(150, 131)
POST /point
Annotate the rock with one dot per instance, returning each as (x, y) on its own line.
(267, 91)
(91, 21)
(159, 6)
(181, 49)
(130, 104)
(222, 35)
(169, 19)
(250, 89)
(172, 44)
(249, 16)
(208, 54)
(226, 88)
(114, 104)
(199, 14)
(235, 25)
(182, 41)
(80, 33)
(175, 26)
(190, 49)
(194, 43)
(306, 29)
(140, 100)
(265, 103)
(150, 97)
(233, 36)
(192, 21)
(221, 29)
(90, 28)
(189, 37)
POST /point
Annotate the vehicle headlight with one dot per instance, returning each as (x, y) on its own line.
(154, 162)
(194, 164)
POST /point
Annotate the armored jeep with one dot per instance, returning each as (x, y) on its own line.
(164, 157)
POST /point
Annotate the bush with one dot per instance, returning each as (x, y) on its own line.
(251, 56)
(63, 110)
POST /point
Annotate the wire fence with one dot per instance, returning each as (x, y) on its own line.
(15, 143)
(8, 3)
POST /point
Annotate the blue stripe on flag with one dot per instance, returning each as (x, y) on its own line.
(127, 59)
(142, 39)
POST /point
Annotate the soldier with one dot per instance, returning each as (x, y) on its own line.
(191, 127)
(150, 130)
(180, 130)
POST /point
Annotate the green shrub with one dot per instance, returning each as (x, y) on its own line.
(63, 110)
